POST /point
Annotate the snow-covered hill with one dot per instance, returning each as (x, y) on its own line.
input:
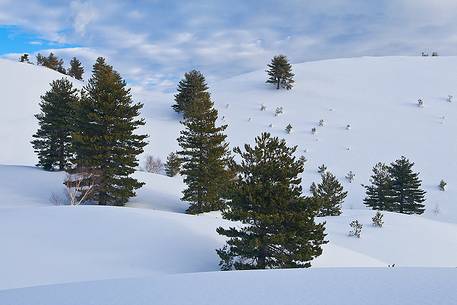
(46, 244)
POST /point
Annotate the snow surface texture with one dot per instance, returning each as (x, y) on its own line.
(169, 253)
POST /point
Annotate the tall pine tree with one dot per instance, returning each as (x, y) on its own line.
(52, 141)
(193, 87)
(76, 69)
(278, 228)
(204, 156)
(330, 194)
(280, 73)
(379, 193)
(105, 142)
(407, 195)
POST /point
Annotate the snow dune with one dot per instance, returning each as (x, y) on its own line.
(152, 253)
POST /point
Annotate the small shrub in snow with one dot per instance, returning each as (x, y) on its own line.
(153, 165)
(313, 130)
(420, 103)
(227, 105)
(350, 176)
(321, 169)
(223, 118)
(249, 119)
(263, 107)
(289, 129)
(271, 125)
(425, 54)
(79, 187)
(435, 54)
(442, 185)
(356, 228)
(321, 122)
(348, 148)
(348, 127)
(450, 98)
(279, 110)
(377, 219)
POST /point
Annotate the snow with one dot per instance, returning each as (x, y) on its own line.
(369, 286)
(151, 252)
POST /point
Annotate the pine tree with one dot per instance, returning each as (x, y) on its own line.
(407, 195)
(330, 193)
(25, 58)
(280, 73)
(278, 228)
(193, 87)
(173, 165)
(52, 141)
(105, 141)
(379, 193)
(51, 62)
(204, 156)
(40, 59)
(76, 69)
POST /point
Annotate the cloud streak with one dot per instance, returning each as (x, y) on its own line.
(152, 43)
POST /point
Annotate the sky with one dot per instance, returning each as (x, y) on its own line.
(153, 43)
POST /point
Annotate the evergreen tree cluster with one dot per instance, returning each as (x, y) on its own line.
(396, 188)
(330, 194)
(92, 132)
(76, 70)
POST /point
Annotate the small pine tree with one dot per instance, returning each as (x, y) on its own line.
(76, 69)
(289, 128)
(25, 58)
(442, 185)
(204, 155)
(377, 219)
(280, 73)
(379, 193)
(321, 169)
(105, 141)
(279, 230)
(356, 228)
(40, 59)
(52, 141)
(407, 195)
(173, 165)
(190, 89)
(330, 193)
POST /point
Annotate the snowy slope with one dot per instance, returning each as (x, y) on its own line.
(45, 244)
(21, 86)
(392, 286)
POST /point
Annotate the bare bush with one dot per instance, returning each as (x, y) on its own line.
(153, 165)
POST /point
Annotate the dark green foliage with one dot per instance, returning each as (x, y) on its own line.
(407, 197)
(25, 58)
(321, 169)
(52, 141)
(204, 156)
(379, 193)
(190, 89)
(51, 62)
(278, 228)
(105, 141)
(289, 128)
(173, 165)
(395, 188)
(76, 69)
(280, 73)
(330, 194)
